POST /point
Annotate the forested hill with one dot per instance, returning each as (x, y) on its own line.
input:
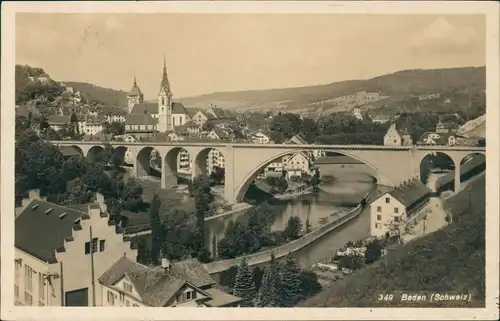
(110, 97)
(416, 81)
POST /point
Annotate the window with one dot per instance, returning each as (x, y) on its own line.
(94, 245)
(41, 286)
(16, 291)
(387, 199)
(163, 100)
(87, 247)
(189, 295)
(377, 225)
(122, 296)
(111, 298)
(127, 303)
(28, 299)
(379, 217)
(396, 210)
(379, 209)
(127, 287)
(28, 278)
(102, 245)
(139, 127)
(396, 219)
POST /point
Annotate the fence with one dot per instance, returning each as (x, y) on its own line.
(283, 250)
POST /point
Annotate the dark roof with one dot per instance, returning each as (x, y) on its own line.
(135, 91)
(192, 270)
(220, 112)
(178, 109)
(40, 234)
(297, 139)
(448, 125)
(140, 119)
(191, 111)
(155, 286)
(143, 108)
(409, 193)
(221, 133)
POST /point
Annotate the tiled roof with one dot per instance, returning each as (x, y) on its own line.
(220, 298)
(192, 270)
(191, 111)
(297, 139)
(411, 192)
(221, 133)
(143, 108)
(40, 234)
(178, 109)
(154, 285)
(220, 112)
(140, 119)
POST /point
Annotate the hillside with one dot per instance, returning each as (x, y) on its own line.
(474, 128)
(107, 96)
(401, 83)
(451, 259)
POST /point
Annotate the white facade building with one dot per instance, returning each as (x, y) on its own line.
(399, 207)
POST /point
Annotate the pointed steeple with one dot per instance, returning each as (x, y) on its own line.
(135, 81)
(165, 83)
(135, 90)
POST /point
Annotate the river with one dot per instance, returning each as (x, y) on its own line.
(341, 189)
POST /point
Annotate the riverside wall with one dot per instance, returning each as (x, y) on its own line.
(214, 268)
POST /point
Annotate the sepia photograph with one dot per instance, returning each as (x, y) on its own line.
(209, 155)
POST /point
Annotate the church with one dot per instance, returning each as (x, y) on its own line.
(146, 118)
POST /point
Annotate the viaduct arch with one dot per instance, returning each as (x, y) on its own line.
(395, 164)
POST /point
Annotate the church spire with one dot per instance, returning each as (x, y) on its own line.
(165, 83)
(135, 81)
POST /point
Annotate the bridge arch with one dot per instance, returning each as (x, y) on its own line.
(78, 149)
(93, 153)
(207, 159)
(242, 188)
(177, 163)
(148, 162)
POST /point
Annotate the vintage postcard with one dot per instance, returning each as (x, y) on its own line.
(271, 160)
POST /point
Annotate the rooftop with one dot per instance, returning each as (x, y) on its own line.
(40, 230)
(410, 192)
(155, 285)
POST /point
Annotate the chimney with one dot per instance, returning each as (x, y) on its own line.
(165, 264)
(94, 210)
(102, 204)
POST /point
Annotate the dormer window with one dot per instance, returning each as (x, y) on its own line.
(127, 287)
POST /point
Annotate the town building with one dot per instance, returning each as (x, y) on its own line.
(446, 127)
(296, 164)
(61, 252)
(395, 137)
(431, 138)
(398, 208)
(260, 138)
(174, 284)
(357, 113)
(58, 122)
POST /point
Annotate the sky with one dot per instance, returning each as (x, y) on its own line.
(208, 53)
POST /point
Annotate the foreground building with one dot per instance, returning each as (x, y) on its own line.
(401, 206)
(60, 253)
(67, 257)
(180, 284)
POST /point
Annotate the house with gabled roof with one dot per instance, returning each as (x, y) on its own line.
(405, 204)
(173, 284)
(397, 137)
(60, 252)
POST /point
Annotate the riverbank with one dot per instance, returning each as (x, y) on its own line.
(283, 250)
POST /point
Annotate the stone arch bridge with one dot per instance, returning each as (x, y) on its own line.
(393, 164)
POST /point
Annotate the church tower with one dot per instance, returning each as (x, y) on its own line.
(165, 103)
(134, 96)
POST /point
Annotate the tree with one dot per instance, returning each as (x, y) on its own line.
(290, 291)
(203, 199)
(156, 229)
(244, 286)
(373, 251)
(309, 284)
(268, 295)
(115, 128)
(179, 229)
(293, 228)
